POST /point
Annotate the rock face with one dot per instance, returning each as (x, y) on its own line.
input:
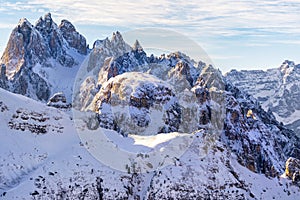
(3, 78)
(35, 53)
(59, 100)
(257, 138)
(292, 169)
(74, 39)
(277, 90)
(145, 97)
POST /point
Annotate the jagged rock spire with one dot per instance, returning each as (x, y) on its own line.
(45, 45)
(74, 39)
(137, 46)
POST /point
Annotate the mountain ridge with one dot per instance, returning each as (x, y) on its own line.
(34, 53)
(276, 89)
(238, 150)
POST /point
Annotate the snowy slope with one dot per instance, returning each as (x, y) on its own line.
(55, 165)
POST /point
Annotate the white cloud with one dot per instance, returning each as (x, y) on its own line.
(218, 17)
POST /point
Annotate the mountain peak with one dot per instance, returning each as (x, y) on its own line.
(32, 48)
(287, 67)
(137, 46)
(24, 22)
(67, 24)
(74, 39)
(45, 26)
(48, 16)
(116, 46)
(287, 64)
(117, 38)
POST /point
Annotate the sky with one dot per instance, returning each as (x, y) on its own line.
(235, 34)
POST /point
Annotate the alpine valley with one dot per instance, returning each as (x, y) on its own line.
(55, 89)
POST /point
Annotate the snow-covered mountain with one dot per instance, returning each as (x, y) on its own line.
(277, 90)
(188, 78)
(163, 127)
(42, 157)
(42, 60)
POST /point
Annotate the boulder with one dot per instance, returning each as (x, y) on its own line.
(58, 100)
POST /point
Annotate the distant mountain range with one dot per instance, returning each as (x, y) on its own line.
(277, 90)
(143, 104)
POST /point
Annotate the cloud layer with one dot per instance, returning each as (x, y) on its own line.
(219, 17)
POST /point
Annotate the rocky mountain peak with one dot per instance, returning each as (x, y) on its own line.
(74, 39)
(33, 51)
(137, 46)
(46, 25)
(103, 49)
(116, 37)
(68, 25)
(118, 42)
(287, 66)
(25, 46)
(24, 24)
(116, 46)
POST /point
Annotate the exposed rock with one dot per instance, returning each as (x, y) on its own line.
(137, 46)
(35, 122)
(53, 39)
(28, 83)
(140, 96)
(25, 47)
(292, 169)
(59, 100)
(3, 77)
(277, 90)
(74, 39)
(34, 54)
(262, 144)
(102, 49)
(296, 178)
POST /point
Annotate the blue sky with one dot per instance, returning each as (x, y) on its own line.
(245, 34)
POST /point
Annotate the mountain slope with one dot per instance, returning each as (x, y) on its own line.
(276, 89)
(54, 164)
